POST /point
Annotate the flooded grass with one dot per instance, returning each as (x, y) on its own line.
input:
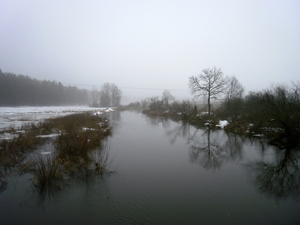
(77, 143)
(48, 174)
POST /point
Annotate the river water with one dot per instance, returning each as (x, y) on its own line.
(169, 173)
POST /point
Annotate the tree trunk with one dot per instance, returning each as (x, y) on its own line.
(208, 103)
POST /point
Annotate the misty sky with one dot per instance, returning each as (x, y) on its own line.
(151, 44)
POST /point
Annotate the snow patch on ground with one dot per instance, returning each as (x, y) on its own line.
(8, 136)
(48, 135)
(87, 128)
(222, 124)
(18, 116)
(103, 111)
(258, 135)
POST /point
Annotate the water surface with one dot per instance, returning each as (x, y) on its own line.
(169, 173)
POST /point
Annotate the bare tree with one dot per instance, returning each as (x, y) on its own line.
(94, 95)
(116, 95)
(110, 95)
(105, 97)
(211, 83)
(235, 89)
(232, 104)
(167, 97)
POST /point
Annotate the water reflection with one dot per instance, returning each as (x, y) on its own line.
(209, 148)
(212, 148)
(280, 179)
(184, 130)
(54, 172)
(157, 120)
(3, 185)
(115, 116)
(212, 152)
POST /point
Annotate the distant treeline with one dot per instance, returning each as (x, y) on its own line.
(20, 90)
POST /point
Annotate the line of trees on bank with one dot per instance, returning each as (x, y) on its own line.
(18, 90)
(275, 107)
(274, 111)
(108, 96)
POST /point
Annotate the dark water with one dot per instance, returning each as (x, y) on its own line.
(169, 173)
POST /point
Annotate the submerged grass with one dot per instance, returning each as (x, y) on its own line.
(78, 150)
(48, 174)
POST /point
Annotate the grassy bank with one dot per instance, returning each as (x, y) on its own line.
(272, 132)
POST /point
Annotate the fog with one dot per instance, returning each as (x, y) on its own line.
(146, 47)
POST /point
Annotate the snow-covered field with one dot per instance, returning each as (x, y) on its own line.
(17, 116)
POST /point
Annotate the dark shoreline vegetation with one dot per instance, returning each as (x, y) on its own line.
(273, 114)
(20, 90)
(74, 149)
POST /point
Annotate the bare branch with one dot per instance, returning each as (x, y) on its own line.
(211, 83)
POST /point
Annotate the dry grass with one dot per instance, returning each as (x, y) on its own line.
(78, 151)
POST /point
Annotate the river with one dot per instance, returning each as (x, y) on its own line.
(166, 172)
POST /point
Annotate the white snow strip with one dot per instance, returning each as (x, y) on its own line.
(87, 128)
(46, 153)
(258, 135)
(18, 116)
(48, 135)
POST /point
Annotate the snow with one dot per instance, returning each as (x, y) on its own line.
(48, 135)
(98, 113)
(258, 135)
(203, 113)
(87, 128)
(17, 116)
(222, 124)
(103, 111)
(8, 136)
(46, 153)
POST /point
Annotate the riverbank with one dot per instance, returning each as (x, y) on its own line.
(274, 134)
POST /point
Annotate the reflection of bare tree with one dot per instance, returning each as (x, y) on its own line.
(3, 185)
(116, 115)
(156, 120)
(211, 153)
(279, 179)
(207, 147)
(234, 146)
(208, 155)
(179, 131)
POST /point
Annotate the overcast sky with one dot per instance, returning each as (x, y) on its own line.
(151, 44)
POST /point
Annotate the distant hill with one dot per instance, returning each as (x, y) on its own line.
(20, 90)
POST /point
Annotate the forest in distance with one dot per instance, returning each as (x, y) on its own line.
(21, 90)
